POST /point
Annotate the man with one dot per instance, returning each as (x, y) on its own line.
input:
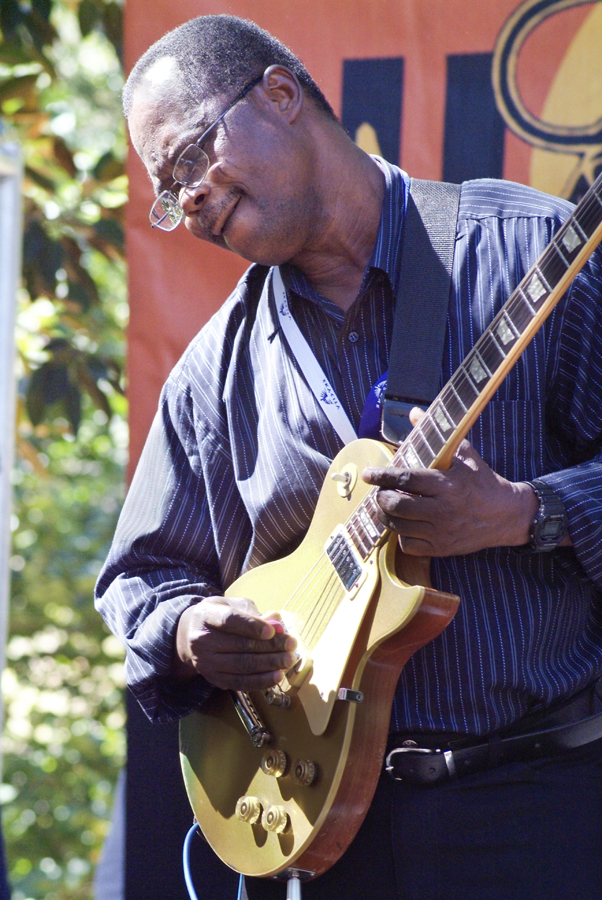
(240, 144)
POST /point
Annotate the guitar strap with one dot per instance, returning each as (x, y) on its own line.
(420, 315)
(429, 238)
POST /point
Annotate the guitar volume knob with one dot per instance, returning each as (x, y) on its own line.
(274, 762)
(248, 809)
(304, 772)
(275, 819)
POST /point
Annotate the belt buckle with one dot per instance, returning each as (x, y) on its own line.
(424, 751)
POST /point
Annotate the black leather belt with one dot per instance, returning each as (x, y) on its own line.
(428, 758)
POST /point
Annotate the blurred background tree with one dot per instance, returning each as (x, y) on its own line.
(63, 743)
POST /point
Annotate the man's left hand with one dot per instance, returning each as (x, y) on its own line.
(449, 513)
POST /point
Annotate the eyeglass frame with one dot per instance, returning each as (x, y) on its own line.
(168, 197)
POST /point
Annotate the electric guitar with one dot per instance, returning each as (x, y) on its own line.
(280, 780)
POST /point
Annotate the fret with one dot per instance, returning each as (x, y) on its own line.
(454, 409)
(553, 265)
(372, 508)
(519, 311)
(520, 293)
(359, 538)
(409, 456)
(368, 524)
(354, 534)
(421, 448)
(588, 214)
(464, 388)
(490, 351)
(432, 435)
(594, 191)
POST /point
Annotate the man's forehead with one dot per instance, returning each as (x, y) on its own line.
(159, 88)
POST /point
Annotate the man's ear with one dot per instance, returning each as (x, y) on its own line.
(281, 88)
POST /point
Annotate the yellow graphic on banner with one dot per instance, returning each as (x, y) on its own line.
(568, 136)
(575, 97)
(367, 139)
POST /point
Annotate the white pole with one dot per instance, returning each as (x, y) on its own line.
(10, 275)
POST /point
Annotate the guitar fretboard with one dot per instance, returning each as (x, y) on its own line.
(432, 443)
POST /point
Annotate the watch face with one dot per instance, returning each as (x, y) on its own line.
(551, 529)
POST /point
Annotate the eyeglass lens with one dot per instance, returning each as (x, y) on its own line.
(191, 166)
(166, 213)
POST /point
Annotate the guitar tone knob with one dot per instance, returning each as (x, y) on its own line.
(275, 819)
(248, 809)
(273, 762)
(304, 772)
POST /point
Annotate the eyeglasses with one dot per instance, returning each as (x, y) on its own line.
(190, 169)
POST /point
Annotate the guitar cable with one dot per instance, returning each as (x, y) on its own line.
(186, 865)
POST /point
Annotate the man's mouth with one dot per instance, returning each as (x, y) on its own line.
(224, 218)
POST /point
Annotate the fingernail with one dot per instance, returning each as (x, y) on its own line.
(267, 632)
(290, 643)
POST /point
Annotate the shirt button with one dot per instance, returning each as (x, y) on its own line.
(353, 336)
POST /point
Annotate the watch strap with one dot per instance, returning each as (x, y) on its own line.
(549, 525)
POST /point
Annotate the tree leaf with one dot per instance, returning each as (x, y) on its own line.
(42, 256)
(23, 86)
(64, 156)
(88, 16)
(73, 405)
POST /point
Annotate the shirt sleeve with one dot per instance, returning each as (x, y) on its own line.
(163, 558)
(574, 413)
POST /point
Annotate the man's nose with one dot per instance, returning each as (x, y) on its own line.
(191, 198)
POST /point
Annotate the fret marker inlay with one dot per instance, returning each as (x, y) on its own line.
(571, 239)
(412, 459)
(441, 419)
(476, 370)
(536, 289)
(504, 333)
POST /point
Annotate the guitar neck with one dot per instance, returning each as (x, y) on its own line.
(435, 440)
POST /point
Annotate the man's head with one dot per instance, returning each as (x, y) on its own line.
(258, 196)
(217, 56)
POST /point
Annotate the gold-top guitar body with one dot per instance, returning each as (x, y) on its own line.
(318, 772)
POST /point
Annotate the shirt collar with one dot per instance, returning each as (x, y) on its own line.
(386, 254)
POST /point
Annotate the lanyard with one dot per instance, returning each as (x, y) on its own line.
(309, 365)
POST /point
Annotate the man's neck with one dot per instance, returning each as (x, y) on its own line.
(335, 261)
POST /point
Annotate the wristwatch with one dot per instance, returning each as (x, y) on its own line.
(549, 525)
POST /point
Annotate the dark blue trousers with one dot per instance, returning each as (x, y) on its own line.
(524, 831)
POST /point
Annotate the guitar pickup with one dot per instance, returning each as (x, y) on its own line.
(343, 559)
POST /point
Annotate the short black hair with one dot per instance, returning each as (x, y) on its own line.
(219, 54)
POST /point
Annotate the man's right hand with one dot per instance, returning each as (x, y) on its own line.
(231, 645)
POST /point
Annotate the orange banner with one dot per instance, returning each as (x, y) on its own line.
(448, 89)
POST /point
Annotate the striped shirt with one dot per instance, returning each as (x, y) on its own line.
(239, 449)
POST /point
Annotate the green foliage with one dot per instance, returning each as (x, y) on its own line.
(63, 744)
